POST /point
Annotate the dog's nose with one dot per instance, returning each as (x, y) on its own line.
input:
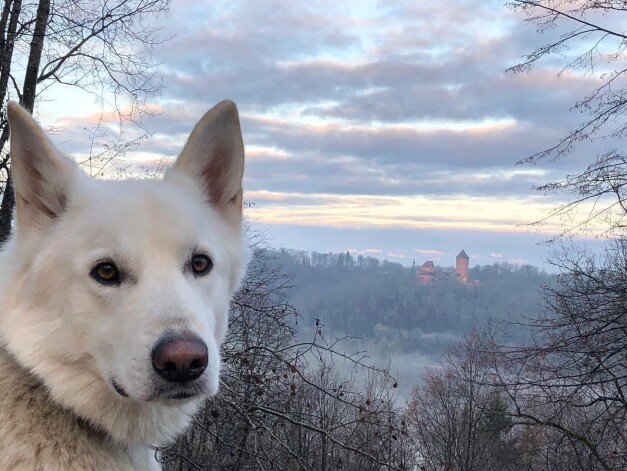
(180, 358)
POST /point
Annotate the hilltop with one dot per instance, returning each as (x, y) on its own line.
(386, 303)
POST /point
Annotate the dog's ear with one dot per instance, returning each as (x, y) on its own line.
(214, 156)
(41, 175)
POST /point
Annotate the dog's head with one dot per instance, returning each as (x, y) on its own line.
(116, 293)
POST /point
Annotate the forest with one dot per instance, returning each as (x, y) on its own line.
(382, 300)
(287, 401)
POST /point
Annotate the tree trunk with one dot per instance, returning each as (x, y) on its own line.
(6, 209)
(10, 15)
(29, 93)
(8, 198)
(7, 41)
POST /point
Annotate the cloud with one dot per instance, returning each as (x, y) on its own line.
(384, 98)
(429, 252)
(364, 251)
(390, 63)
(496, 255)
(370, 115)
(444, 212)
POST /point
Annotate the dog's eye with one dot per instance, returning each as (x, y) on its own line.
(106, 273)
(201, 264)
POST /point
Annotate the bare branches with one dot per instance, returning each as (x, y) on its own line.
(102, 48)
(571, 381)
(597, 197)
(458, 420)
(558, 401)
(577, 14)
(95, 45)
(591, 42)
(606, 104)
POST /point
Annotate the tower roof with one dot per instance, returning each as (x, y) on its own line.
(462, 254)
(427, 268)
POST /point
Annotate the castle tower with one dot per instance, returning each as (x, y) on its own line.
(426, 274)
(461, 266)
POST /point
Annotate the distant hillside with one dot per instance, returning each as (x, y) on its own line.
(382, 301)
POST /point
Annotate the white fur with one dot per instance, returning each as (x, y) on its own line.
(75, 336)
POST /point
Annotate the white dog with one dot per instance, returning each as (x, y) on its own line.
(114, 298)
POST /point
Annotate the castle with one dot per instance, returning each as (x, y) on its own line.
(428, 274)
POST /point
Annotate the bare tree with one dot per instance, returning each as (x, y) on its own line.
(458, 419)
(101, 47)
(587, 37)
(571, 381)
(598, 22)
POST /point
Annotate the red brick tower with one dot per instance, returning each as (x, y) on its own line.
(461, 266)
(426, 274)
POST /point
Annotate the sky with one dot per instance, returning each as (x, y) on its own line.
(389, 128)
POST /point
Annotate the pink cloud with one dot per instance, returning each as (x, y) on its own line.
(429, 252)
(364, 251)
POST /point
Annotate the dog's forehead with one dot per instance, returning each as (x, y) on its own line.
(148, 211)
